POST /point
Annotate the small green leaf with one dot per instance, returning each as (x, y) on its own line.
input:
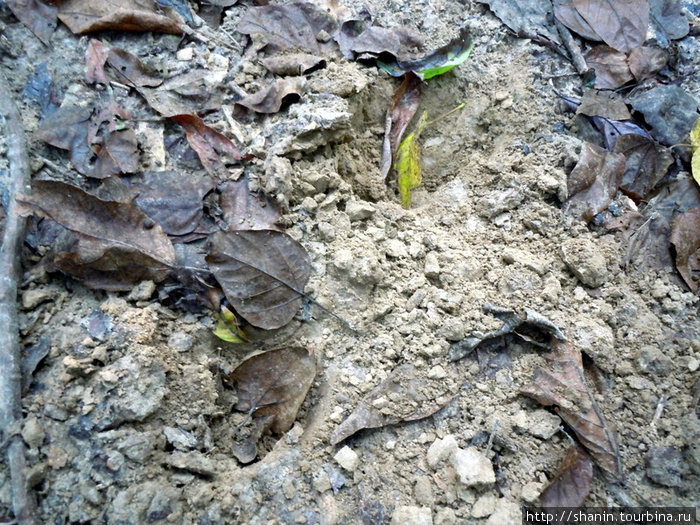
(407, 163)
(452, 61)
(227, 328)
(695, 143)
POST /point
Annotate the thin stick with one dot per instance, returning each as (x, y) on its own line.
(572, 47)
(23, 502)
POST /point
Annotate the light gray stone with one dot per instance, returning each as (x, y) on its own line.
(359, 210)
(585, 260)
(472, 467)
(409, 515)
(440, 450)
(347, 458)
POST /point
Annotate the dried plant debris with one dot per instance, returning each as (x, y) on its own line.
(594, 181)
(532, 328)
(39, 17)
(293, 64)
(572, 482)
(271, 388)
(262, 273)
(669, 111)
(114, 245)
(174, 199)
(436, 62)
(606, 104)
(528, 18)
(403, 106)
(403, 396)
(646, 163)
(685, 238)
(645, 62)
(213, 148)
(407, 163)
(272, 98)
(40, 89)
(67, 129)
(359, 40)
(130, 70)
(561, 384)
(610, 66)
(85, 16)
(243, 209)
(568, 15)
(194, 91)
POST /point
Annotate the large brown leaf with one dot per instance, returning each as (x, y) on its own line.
(39, 17)
(191, 92)
(572, 482)
(245, 210)
(271, 388)
(622, 24)
(645, 62)
(685, 237)
(67, 128)
(85, 16)
(567, 14)
(646, 163)
(594, 181)
(404, 104)
(409, 397)
(131, 70)
(119, 154)
(358, 40)
(611, 67)
(561, 384)
(262, 273)
(212, 147)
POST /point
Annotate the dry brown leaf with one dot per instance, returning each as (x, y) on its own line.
(611, 67)
(646, 163)
(594, 181)
(212, 147)
(130, 70)
(605, 104)
(270, 99)
(95, 60)
(67, 128)
(685, 237)
(411, 401)
(622, 24)
(645, 62)
(572, 482)
(39, 17)
(271, 388)
(245, 210)
(357, 40)
(567, 14)
(561, 384)
(118, 155)
(189, 93)
(85, 16)
(262, 272)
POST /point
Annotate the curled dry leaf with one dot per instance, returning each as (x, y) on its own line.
(404, 104)
(685, 238)
(119, 154)
(358, 40)
(211, 146)
(271, 98)
(414, 398)
(95, 60)
(606, 104)
(611, 67)
(594, 181)
(40, 18)
(271, 388)
(646, 162)
(645, 62)
(572, 482)
(561, 384)
(622, 24)
(262, 273)
(85, 16)
(245, 210)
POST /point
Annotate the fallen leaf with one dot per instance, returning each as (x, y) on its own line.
(40, 18)
(404, 104)
(606, 104)
(293, 26)
(270, 99)
(40, 89)
(407, 163)
(668, 20)
(95, 59)
(191, 92)
(414, 397)
(645, 62)
(622, 24)
(293, 64)
(246, 210)
(114, 240)
(271, 388)
(611, 67)
(131, 70)
(695, 145)
(227, 328)
(262, 272)
(85, 16)
(118, 155)
(572, 482)
(669, 111)
(357, 39)
(685, 238)
(212, 147)
(532, 328)
(593, 182)
(67, 128)
(612, 130)
(645, 165)
(174, 200)
(567, 14)
(561, 384)
(526, 17)
(436, 62)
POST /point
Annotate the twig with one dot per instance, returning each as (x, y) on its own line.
(23, 502)
(572, 47)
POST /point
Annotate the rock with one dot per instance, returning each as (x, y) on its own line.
(191, 462)
(396, 249)
(142, 291)
(651, 360)
(437, 372)
(531, 492)
(326, 231)
(34, 297)
(445, 516)
(347, 458)
(127, 390)
(160, 507)
(665, 466)
(423, 491)
(32, 432)
(597, 339)
(472, 467)
(506, 513)
(180, 439)
(431, 269)
(408, 515)
(584, 259)
(180, 341)
(320, 481)
(484, 506)
(359, 210)
(440, 450)
(137, 447)
(539, 423)
(669, 111)
(498, 202)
